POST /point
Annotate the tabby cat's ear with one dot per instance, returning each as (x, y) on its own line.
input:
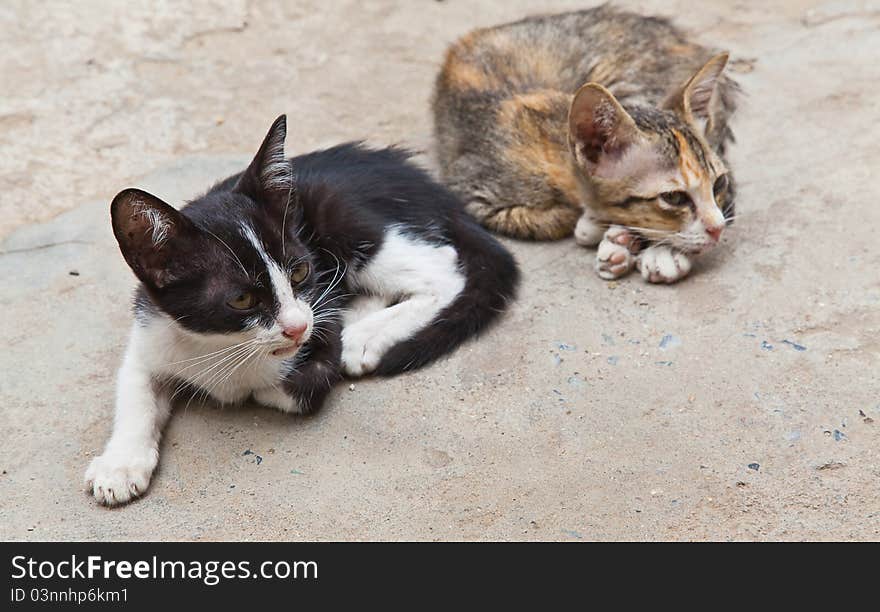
(598, 127)
(270, 174)
(154, 238)
(694, 100)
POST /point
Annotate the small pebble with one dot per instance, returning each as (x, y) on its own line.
(755, 466)
(351, 387)
(257, 458)
(669, 341)
(795, 345)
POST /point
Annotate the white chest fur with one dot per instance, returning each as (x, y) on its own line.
(226, 367)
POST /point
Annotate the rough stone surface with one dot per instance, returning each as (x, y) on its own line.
(569, 420)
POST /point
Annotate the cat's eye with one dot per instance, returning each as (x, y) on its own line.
(720, 185)
(676, 198)
(243, 301)
(300, 272)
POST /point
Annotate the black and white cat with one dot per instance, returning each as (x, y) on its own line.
(280, 278)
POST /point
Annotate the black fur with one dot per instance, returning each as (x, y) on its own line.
(350, 195)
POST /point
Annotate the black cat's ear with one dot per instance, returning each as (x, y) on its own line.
(154, 237)
(599, 127)
(269, 173)
(693, 100)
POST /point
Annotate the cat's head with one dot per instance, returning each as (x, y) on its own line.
(653, 169)
(231, 264)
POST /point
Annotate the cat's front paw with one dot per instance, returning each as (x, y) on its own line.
(587, 232)
(117, 477)
(662, 264)
(616, 254)
(303, 391)
(361, 352)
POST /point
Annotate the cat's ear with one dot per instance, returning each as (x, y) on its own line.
(693, 100)
(599, 128)
(269, 174)
(154, 237)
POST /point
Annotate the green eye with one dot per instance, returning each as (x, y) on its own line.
(300, 272)
(676, 198)
(720, 185)
(243, 301)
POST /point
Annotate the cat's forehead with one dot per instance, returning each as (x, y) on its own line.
(677, 144)
(244, 236)
(671, 157)
(267, 242)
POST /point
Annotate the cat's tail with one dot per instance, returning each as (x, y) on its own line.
(491, 276)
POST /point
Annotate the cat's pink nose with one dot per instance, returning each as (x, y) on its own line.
(294, 332)
(715, 232)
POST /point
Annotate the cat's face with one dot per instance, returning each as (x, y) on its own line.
(233, 268)
(653, 170)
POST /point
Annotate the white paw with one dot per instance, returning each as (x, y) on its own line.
(277, 398)
(361, 307)
(361, 351)
(117, 477)
(616, 253)
(660, 264)
(587, 232)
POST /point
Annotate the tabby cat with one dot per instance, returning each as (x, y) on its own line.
(601, 123)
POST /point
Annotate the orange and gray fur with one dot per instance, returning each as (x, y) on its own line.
(600, 123)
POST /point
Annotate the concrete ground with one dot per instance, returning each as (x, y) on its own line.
(740, 404)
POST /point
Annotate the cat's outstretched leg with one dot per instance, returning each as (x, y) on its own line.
(616, 255)
(429, 278)
(124, 470)
(662, 264)
(367, 341)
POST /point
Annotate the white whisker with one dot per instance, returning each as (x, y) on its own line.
(228, 248)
